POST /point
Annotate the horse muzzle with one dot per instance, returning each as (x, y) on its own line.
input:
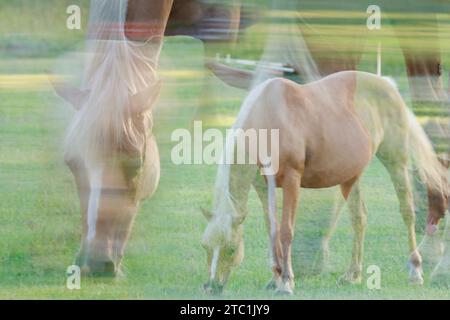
(213, 288)
(98, 268)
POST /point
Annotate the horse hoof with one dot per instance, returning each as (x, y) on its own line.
(213, 289)
(285, 288)
(348, 279)
(415, 274)
(120, 275)
(416, 280)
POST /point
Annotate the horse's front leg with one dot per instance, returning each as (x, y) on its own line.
(400, 178)
(261, 189)
(291, 185)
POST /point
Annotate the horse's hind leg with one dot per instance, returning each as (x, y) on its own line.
(261, 189)
(398, 172)
(358, 213)
(338, 206)
(440, 276)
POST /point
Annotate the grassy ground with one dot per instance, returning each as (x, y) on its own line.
(40, 218)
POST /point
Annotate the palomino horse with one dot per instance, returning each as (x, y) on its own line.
(308, 45)
(109, 147)
(328, 133)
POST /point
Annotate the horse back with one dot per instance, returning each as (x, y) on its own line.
(321, 135)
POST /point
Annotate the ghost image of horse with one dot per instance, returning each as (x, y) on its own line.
(435, 245)
(329, 130)
(109, 146)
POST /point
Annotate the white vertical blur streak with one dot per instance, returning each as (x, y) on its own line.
(379, 59)
(272, 205)
(95, 182)
(214, 261)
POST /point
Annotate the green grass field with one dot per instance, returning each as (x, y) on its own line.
(40, 222)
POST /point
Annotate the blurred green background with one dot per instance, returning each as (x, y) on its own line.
(39, 215)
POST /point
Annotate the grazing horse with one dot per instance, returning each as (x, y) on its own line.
(312, 49)
(329, 130)
(109, 147)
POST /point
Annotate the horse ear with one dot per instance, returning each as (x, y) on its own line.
(69, 93)
(207, 214)
(237, 78)
(146, 98)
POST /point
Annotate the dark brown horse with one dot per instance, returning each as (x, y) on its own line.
(208, 21)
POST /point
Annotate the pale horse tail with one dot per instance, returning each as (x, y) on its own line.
(421, 150)
(272, 204)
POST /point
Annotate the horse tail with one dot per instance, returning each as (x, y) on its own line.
(421, 150)
(272, 204)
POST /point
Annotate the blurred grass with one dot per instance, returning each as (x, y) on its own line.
(39, 215)
(40, 220)
(38, 28)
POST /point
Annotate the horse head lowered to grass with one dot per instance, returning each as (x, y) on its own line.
(115, 162)
(109, 146)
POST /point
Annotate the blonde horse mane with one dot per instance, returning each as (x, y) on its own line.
(219, 229)
(115, 70)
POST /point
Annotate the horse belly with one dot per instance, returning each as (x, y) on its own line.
(338, 160)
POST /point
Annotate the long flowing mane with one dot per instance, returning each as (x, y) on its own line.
(115, 69)
(224, 209)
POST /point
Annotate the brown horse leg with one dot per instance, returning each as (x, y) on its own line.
(351, 191)
(147, 19)
(291, 184)
(399, 175)
(261, 189)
